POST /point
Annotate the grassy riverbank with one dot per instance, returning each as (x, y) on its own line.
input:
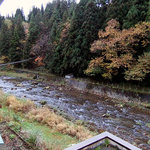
(39, 126)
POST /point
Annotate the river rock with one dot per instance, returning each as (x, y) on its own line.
(34, 83)
(43, 102)
(69, 76)
(60, 89)
(29, 89)
(19, 85)
(148, 125)
(106, 115)
(148, 142)
(47, 87)
(58, 96)
(36, 76)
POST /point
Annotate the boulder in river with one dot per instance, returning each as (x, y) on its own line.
(106, 115)
(36, 76)
(43, 102)
(148, 125)
(148, 142)
(19, 85)
(47, 87)
(34, 83)
(29, 89)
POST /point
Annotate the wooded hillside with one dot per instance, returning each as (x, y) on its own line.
(106, 39)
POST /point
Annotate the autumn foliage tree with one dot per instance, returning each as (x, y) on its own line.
(141, 70)
(118, 50)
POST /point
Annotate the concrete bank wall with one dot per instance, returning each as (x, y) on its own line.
(106, 91)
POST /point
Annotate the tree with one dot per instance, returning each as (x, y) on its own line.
(19, 15)
(127, 12)
(1, 21)
(118, 50)
(34, 28)
(136, 13)
(5, 37)
(141, 70)
(16, 50)
(47, 14)
(148, 12)
(75, 51)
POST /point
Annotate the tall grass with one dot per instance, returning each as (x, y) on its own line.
(48, 117)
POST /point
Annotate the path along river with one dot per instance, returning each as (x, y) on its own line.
(100, 112)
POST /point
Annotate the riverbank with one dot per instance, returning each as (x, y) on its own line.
(129, 97)
(38, 127)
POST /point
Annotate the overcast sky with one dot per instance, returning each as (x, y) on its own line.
(10, 6)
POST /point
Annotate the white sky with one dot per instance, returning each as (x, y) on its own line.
(10, 6)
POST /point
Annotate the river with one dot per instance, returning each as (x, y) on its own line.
(99, 112)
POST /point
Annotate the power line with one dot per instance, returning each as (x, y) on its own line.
(17, 62)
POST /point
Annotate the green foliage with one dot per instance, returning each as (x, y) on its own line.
(1, 21)
(19, 15)
(136, 13)
(16, 42)
(140, 70)
(5, 36)
(12, 136)
(73, 54)
(148, 12)
(32, 139)
(128, 13)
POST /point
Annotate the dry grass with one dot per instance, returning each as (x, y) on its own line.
(19, 106)
(1, 118)
(46, 116)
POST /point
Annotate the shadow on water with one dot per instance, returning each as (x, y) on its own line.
(98, 111)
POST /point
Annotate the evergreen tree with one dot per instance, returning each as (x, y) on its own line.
(137, 12)
(74, 53)
(19, 15)
(118, 10)
(35, 13)
(4, 39)
(16, 50)
(47, 14)
(128, 13)
(42, 10)
(148, 12)
(1, 21)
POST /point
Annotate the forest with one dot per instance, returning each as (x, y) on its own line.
(101, 39)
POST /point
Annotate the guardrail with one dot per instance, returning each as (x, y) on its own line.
(98, 140)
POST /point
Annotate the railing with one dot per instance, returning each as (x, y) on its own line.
(96, 141)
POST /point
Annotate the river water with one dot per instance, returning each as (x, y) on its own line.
(128, 123)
